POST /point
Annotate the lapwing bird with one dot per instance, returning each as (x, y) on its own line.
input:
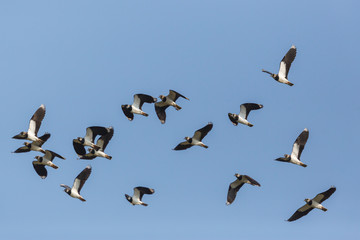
(102, 142)
(285, 64)
(237, 184)
(88, 140)
(312, 203)
(78, 184)
(297, 149)
(244, 112)
(196, 140)
(138, 194)
(34, 126)
(135, 108)
(166, 101)
(46, 160)
(34, 146)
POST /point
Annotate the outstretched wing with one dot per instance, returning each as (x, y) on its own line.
(81, 179)
(324, 195)
(22, 149)
(183, 146)
(140, 99)
(50, 155)
(36, 119)
(286, 62)
(234, 187)
(140, 191)
(92, 132)
(246, 108)
(104, 139)
(202, 132)
(88, 156)
(173, 95)
(252, 181)
(160, 108)
(40, 169)
(304, 210)
(78, 147)
(127, 112)
(299, 143)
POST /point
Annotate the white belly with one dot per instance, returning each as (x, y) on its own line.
(242, 121)
(136, 110)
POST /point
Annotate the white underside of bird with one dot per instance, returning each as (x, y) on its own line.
(136, 110)
(46, 163)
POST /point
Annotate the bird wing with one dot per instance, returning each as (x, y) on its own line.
(43, 139)
(22, 149)
(50, 155)
(304, 210)
(92, 132)
(183, 146)
(234, 187)
(140, 191)
(173, 95)
(160, 108)
(104, 139)
(286, 62)
(78, 147)
(140, 99)
(35, 121)
(40, 169)
(247, 107)
(88, 156)
(81, 179)
(127, 113)
(324, 195)
(299, 143)
(252, 181)
(202, 132)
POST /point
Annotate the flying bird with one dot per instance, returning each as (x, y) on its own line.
(46, 160)
(196, 140)
(235, 186)
(35, 145)
(312, 203)
(135, 108)
(297, 149)
(138, 194)
(244, 112)
(88, 140)
(102, 142)
(34, 126)
(285, 64)
(78, 184)
(166, 101)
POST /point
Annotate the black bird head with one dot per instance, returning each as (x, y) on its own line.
(128, 198)
(67, 188)
(188, 139)
(163, 98)
(40, 159)
(81, 140)
(91, 150)
(233, 118)
(237, 175)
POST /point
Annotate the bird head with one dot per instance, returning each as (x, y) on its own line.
(128, 198)
(162, 97)
(237, 175)
(286, 156)
(81, 140)
(187, 139)
(38, 158)
(307, 200)
(27, 144)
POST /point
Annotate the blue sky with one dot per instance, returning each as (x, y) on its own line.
(83, 59)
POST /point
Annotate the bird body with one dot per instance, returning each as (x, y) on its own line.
(46, 160)
(101, 143)
(135, 108)
(244, 113)
(139, 192)
(34, 146)
(235, 186)
(166, 101)
(88, 140)
(79, 182)
(196, 140)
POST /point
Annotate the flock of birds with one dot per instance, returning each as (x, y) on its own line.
(104, 135)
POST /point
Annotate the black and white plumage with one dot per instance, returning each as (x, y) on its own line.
(139, 192)
(46, 160)
(285, 64)
(312, 203)
(34, 146)
(34, 126)
(79, 182)
(88, 140)
(196, 140)
(297, 149)
(244, 112)
(235, 186)
(102, 142)
(166, 101)
(135, 108)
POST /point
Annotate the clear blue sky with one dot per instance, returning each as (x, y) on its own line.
(83, 59)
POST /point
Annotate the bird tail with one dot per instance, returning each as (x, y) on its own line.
(250, 125)
(203, 145)
(144, 204)
(54, 166)
(144, 114)
(289, 83)
(324, 209)
(82, 199)
(303, 165)
(177, 107)
(108, 157)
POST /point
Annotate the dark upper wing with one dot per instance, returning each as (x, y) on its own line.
(22, 149)
(50, 155)
(92, 132)
(40, 169)
(202, 132)
(299, 143)
(104, 139)
(79, 148)
(140, 191)
(160, 108)
(36, 119)
(324, 195)
(252, 181)
(43, 139)
(140, 99)
(173, 95)
(247, 107)
(233, 189)
(81, 178)
(183, 146)
(286, 61)
(88, 156)
(127, 112)
(304, 210)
